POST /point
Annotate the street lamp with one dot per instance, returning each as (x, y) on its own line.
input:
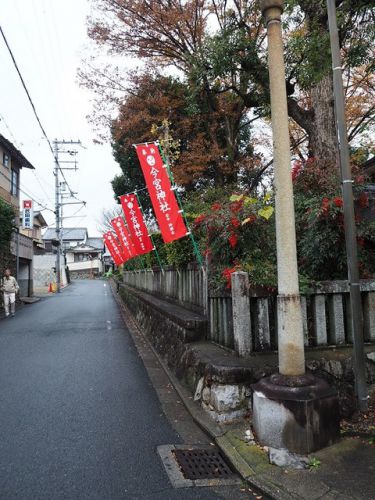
(289, 408)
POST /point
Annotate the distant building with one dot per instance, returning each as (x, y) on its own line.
(86, 259)
(70, 237)
(39, 223)
(83, 255)
(11, 163)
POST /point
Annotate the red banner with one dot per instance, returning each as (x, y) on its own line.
(114, 248)
(124, 237)
(167, 211)
(136, 224)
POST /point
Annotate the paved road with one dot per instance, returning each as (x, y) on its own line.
(79, 418)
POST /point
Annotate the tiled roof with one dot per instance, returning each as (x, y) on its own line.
(68, 234)
(15, 153)
(95, 243)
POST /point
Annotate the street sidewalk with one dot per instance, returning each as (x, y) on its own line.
(343, 471)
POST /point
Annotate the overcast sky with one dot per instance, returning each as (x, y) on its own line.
(48, 39)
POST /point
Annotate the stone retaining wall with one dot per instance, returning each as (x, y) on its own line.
(217, 377)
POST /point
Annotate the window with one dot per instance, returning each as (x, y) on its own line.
(6, 160)
(14, 183)
(81, 257)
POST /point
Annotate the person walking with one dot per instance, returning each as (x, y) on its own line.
(9, 287)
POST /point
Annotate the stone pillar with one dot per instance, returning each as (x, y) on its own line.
(291, 409)
(290, 329)
(241, 313)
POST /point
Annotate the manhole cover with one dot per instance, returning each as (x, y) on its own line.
(196, 465)
(202, 464)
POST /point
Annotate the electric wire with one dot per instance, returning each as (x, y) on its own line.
(35, 111)
(28, 194)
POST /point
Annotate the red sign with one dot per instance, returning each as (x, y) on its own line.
(136, 224)
(114, 248)
(124, 237)
(167, 211)
(27, 203)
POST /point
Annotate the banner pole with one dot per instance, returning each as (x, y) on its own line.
(190, 233)
(150, 235)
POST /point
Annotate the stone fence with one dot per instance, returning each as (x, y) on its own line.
(245, 319)
(186, 287)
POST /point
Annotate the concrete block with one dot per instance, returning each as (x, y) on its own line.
(225, 397)
(263, 337)
(241, 313)
(299, 418)
(320, 326)
(336, 319)
(286, 459)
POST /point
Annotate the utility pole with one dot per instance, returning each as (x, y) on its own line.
(349, 216)
(58, 200)
(57, 214)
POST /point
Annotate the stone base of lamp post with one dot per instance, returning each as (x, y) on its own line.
(300, 414)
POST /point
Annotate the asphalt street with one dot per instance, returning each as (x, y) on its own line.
(79, 418)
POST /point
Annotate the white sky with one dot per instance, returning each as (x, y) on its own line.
(48, 39)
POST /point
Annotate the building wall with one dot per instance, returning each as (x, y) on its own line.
(43, 272)
(5, 176)
(94, 264)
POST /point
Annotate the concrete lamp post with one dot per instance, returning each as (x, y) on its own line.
(291, 409)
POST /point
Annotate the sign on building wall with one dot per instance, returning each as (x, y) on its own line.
(27, 214)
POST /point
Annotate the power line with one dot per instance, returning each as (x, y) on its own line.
(28, 194)
(34, 109)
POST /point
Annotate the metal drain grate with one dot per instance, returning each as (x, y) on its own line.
(202, 464)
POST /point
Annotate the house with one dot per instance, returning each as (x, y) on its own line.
(83, 256)
(39, 223)
(86, 259)
(19, 258)
(11, 163)
(70, 237)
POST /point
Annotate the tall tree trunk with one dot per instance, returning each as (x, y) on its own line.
(323, 143)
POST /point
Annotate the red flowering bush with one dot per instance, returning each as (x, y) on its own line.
(238, 233)
(338, 202)
(320, 225)
(227, 274)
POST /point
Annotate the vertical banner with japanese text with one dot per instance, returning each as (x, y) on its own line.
(114, 248)
(136, 224)
(124, 237)
(27, 215)
(167, 210)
